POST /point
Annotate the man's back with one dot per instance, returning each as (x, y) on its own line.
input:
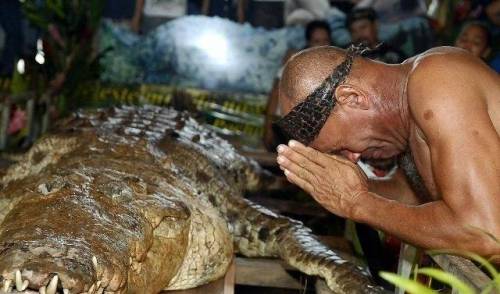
(454, 104)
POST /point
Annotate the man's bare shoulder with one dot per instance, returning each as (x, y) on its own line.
(448, 84)
(441, 60)
(445, 72)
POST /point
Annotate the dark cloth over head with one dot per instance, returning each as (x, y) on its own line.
(304, 122)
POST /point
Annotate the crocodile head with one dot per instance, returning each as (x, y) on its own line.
(81, 229)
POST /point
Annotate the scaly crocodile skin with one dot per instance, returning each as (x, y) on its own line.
(136, 200)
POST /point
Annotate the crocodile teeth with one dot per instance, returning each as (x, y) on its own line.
(24, 285)
(65, 291)
(6, 285)
(42, 290)
(91, 290)
(94, 261)
(20, 285)
(52, 287)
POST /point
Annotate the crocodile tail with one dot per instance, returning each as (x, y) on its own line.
(302, 250)
(258, 232)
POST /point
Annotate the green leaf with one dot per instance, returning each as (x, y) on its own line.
(408, 285)
(448, 279)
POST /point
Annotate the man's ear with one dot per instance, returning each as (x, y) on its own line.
(352, 97)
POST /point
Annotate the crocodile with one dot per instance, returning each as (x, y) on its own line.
(140, 200)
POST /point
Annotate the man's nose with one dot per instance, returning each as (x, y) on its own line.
(354, 157)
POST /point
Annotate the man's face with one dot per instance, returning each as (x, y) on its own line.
(319, 37)
(350, 132)
(474, 40)
(364, 31)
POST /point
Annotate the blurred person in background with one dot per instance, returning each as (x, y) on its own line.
(317, 33)
(475, 37)
(235, 10)
(363, 27)
(391, 11)
(301, 12)
(447, 17)
(126, 12)
(158, 12)
(492, 12)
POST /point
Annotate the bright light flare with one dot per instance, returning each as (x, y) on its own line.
(39, 58)
(215, 46)
(39, 45)
(21, 66)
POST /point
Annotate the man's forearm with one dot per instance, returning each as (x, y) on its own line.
(431, 226)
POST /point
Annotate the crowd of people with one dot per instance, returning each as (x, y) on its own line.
(477, 36)
(469, 24)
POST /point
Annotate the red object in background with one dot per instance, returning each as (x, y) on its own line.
(392, 244)
(17, 120)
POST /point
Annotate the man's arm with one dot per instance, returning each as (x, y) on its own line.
(450, 109)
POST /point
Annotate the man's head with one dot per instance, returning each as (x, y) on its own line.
(362, 24)
(354, 126)
(318, 33)
(475, 37)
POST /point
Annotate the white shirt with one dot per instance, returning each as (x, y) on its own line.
(165, 8)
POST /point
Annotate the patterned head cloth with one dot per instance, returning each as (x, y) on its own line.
(304, 122)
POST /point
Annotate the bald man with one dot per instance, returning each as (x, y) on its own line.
(438, 111)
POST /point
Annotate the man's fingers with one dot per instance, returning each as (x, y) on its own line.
(343, 160)
(313, 154)
(293, 178)
(296, 169)
(299, 159)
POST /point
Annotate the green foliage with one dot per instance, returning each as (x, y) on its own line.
(68, 27)
(409, 285)
(447, 278)
(414, 287)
